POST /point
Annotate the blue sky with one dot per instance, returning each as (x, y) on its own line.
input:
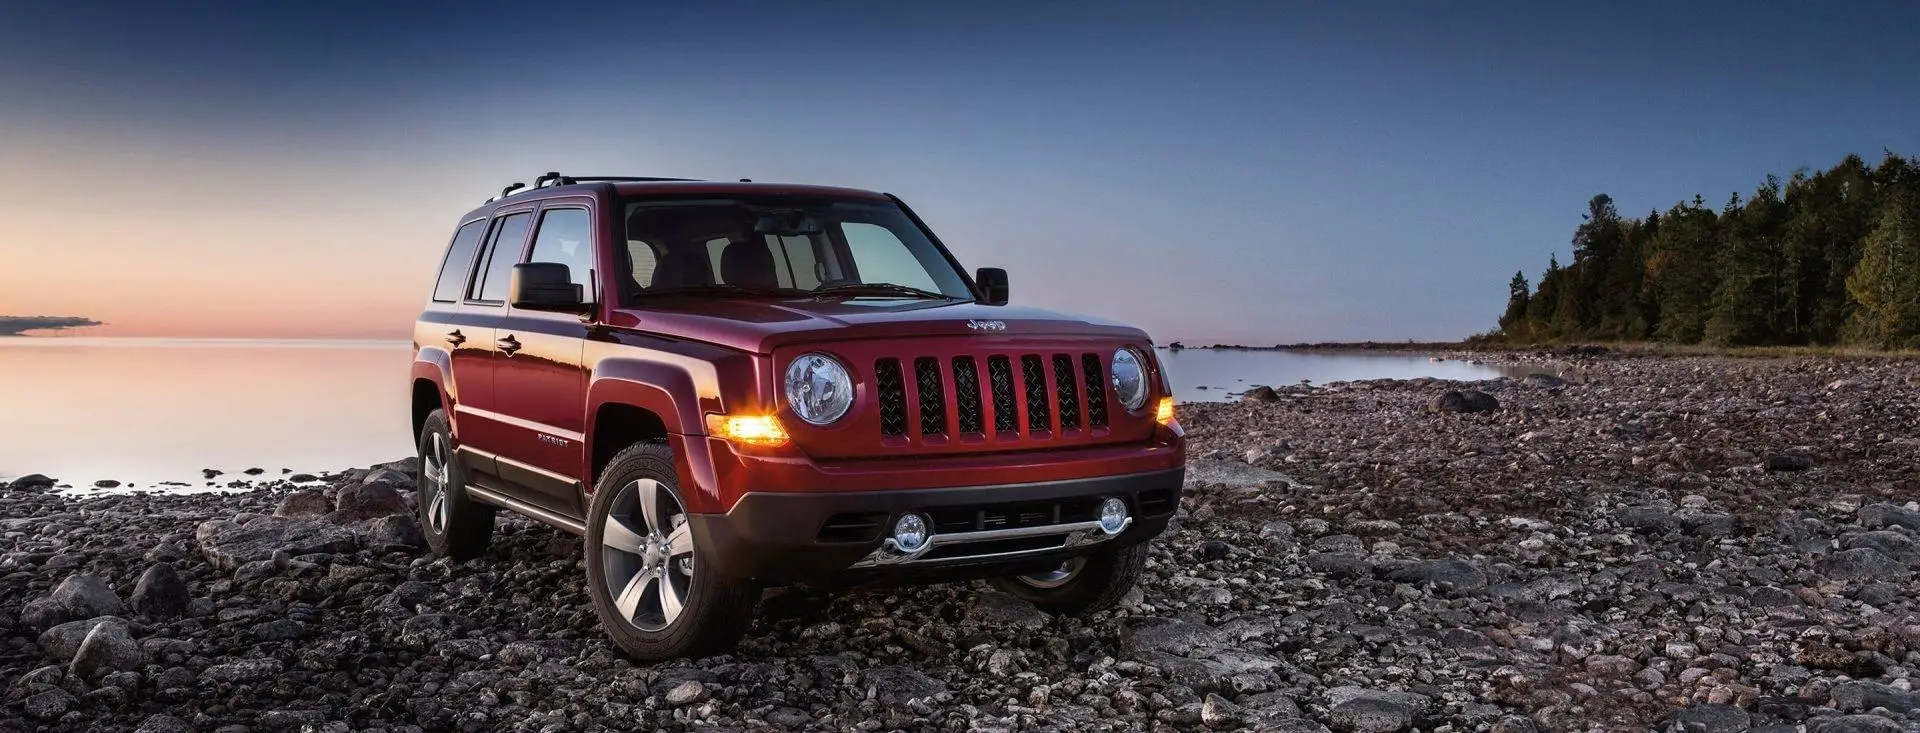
(1240, 172)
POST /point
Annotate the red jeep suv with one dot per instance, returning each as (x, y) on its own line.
(726, 386)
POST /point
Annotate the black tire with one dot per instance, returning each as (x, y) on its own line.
(715, 612)
(1099, 584)
(467, 527)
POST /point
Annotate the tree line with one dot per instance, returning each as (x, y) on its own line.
(1825, 258)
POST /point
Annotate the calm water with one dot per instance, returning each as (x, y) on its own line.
(145, 411)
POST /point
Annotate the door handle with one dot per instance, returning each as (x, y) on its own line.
(508, 344)
(456, 338)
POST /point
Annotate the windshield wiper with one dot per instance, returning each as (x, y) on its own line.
(858, 289)
(721, 289)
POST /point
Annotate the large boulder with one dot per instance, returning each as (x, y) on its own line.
(228, 545)
(396, 531)
(1469, 401)
(107, 647)
(369, 500)
(160, 593)
(1375, 711)
(897, 685)
(62, 642)
(1879, 515)
(31, 482)
(80, 596)
(307, 503)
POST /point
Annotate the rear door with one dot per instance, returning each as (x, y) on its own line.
(540, 387)
(484, 434)
(444, 324)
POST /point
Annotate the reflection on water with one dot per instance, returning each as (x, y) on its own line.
(150, 410)
(1209, 375)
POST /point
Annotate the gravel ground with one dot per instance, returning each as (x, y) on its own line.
(1661, 543)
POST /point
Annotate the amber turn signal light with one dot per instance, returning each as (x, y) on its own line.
(757, 430)
(1163, 411)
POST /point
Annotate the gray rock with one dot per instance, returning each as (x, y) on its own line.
(48, 705)
(896, 685)
(229, 545)
(1453, 574)
(1342, 543)
(1709, 719)
(1707, 524)
(1375, 711)
(1650, 519)
(399, 530)
(61, 642)
(1862, 695)
(1787, 462)
(163, 723)
(160, 593)
(1861, 563)
(1218, 712)
(1469, 401)
(993, 608)
(1337, 564)
(1260, 393)
(1150, 634)
(86, 596)
(1895, 545)
(370, 500)
(108, 646)
(1876, 516)
(427, 629)
(686, 693)
(245, 670)
(31, 482)
(307, 504)
(1852, 724)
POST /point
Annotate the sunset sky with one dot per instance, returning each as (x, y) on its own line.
(1244, 172)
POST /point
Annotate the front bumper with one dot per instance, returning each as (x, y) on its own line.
(837, 538)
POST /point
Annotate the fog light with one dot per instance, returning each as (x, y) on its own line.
(1113, 515)
(910, 533)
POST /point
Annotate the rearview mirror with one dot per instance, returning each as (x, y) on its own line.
(993, 285)
(544, 286)
(787, 223)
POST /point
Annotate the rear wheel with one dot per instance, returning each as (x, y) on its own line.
(454, 525)
(643, 568)
(1088, 584)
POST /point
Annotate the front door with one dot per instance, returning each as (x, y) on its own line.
(540, 387)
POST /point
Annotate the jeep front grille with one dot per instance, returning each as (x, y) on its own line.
(946, 399)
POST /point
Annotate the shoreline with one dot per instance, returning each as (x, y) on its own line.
(1692, 541)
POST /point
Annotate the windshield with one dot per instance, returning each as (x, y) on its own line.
(781, 247)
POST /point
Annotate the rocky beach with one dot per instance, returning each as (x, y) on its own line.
(1641, 543)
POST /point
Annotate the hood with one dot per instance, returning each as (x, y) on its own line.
(759, 326)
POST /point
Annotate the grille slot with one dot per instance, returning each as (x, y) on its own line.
(852, 527)
(1068, 391)
(966, 393)
(1096, 391)
(893, 397)
(933, 397)
(1006, 414)
(1039, 406)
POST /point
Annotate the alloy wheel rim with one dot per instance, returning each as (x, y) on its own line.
(1056, 577)
(646, 555)
(434, 468)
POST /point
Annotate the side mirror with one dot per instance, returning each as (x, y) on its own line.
(544, 286)
(993, 285)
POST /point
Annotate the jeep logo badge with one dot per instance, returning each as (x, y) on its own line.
(987, 325)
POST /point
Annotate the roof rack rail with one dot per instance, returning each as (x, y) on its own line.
(553, 178)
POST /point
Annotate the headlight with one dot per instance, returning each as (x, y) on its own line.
(1129, 379)
(818, 388)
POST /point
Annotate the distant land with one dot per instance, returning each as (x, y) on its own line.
(16, 325)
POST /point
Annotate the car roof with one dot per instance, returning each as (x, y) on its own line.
(671, 187)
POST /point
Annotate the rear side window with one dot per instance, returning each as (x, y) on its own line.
(453, 270)
(503, 252)
(566, 237)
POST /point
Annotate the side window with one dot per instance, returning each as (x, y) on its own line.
(883, 258)
(566, 237)
(642, 261)
(453, 270)
(503, 252)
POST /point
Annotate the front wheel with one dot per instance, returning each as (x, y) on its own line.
(1088, 584)
(643, 569)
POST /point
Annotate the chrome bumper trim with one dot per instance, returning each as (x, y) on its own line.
(1076, 534)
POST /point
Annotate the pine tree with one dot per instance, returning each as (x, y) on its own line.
(1513, 323)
